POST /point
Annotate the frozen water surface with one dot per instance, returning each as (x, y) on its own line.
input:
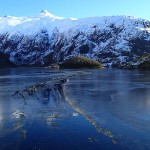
(99, 109)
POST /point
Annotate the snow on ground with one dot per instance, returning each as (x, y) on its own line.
(45, 20)
(117, 32)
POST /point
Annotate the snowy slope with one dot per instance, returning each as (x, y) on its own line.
(45, 38)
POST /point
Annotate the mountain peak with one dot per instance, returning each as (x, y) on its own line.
(45, 13)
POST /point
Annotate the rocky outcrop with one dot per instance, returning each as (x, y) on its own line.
(5, 62)
(144, 62)
(144, 66)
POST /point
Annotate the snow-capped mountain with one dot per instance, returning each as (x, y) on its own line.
(44, 39)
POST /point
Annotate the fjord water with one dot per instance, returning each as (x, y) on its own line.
(101, 109)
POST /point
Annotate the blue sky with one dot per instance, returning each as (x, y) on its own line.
(77, 8)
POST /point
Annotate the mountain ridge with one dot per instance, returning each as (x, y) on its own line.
(44, 39)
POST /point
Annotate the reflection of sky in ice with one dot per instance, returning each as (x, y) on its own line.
(117, 100)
